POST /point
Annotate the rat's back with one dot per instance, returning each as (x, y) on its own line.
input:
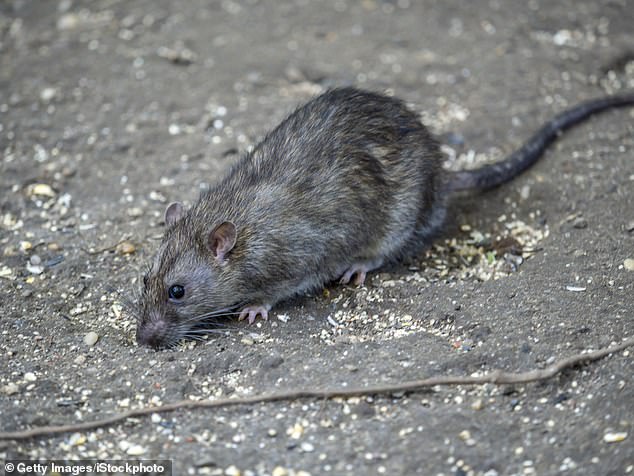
(346, 183)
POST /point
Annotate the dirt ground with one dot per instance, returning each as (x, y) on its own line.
(111, 109)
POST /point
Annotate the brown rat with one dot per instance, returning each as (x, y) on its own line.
(347, 183)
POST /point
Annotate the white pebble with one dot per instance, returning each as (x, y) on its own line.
(232, 471)
(47, 94)
(307, 447)
(614, 437)
(10, 389)
(30, 377)
(135, 212)
(576, 289)
(68, 21)
(91, 338)
(135, 450)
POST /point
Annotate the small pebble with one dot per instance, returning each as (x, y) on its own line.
(30, 377)
(80, 359)
(126, 248)
(614, 437)
(232, 471)
(68, 21)
(10, 389)
(178, 55)
(91, 338)
(135, 450)
(76, 439)
(6, 272)
(295, 431)
(40, 189)
(629, 264)
(34, 266)
(157, 197)
(630, 226)
(307, 447)
(576, 289)
(135, 212)
(25, 246)
(48, 94)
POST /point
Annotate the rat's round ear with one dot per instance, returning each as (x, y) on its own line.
(173, 213)
(221, 240)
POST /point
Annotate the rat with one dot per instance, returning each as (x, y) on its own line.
(347, 183)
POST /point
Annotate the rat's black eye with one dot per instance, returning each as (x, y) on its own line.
(176, 291)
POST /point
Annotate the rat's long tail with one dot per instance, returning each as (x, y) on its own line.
(496, 174)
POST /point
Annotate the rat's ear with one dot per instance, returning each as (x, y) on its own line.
(173, 213)
(221, 240)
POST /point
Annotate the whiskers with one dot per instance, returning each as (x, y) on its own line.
(214, 317)
(200, 334)
(200, 326)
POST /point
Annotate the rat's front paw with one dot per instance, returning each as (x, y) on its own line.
(251, 312)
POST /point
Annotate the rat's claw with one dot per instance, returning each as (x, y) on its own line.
(345, 279)
(358, 271)
(251, 312)
(360, 279)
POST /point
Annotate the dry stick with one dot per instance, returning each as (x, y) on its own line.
(497, 377)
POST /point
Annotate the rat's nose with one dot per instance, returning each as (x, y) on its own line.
(151, 333)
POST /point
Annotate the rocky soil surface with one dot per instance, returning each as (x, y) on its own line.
(111, 109)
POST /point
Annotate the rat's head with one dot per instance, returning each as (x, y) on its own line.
(190, 280)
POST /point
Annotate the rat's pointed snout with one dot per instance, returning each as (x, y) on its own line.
(152, 333)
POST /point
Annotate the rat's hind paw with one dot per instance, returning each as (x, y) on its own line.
(359, 271)
(359, 274)
(251, 312)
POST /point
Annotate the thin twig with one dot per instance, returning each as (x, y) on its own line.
(496, 377)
